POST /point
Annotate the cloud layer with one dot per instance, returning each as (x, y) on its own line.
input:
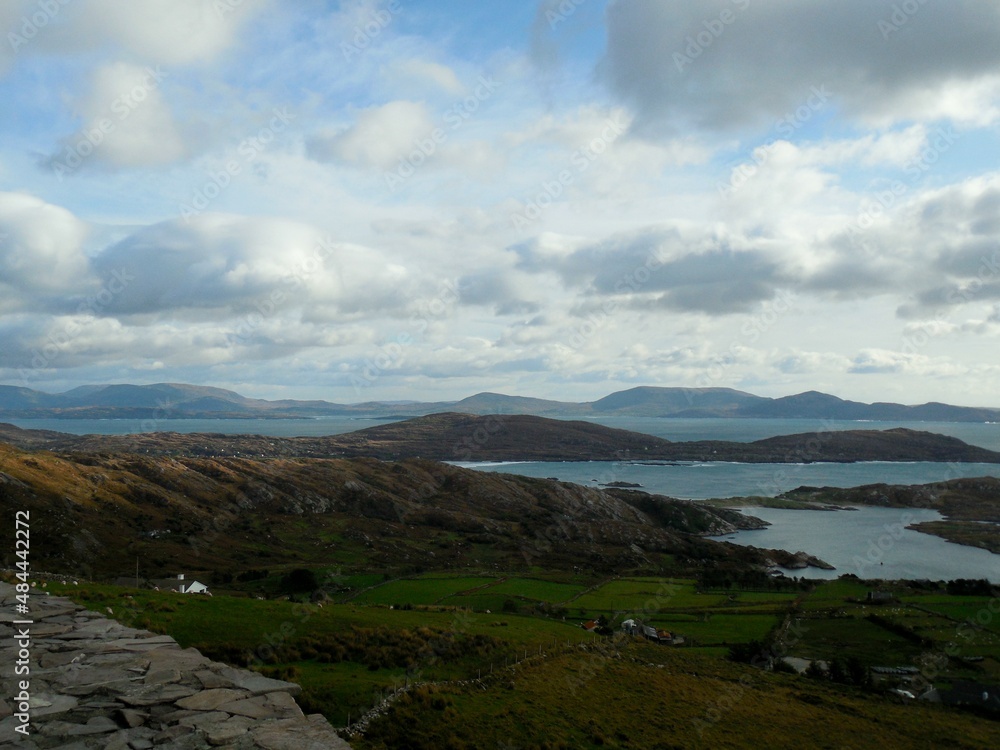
(372, 200)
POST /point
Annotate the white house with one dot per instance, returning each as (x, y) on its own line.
(180, 585)
(195, 587)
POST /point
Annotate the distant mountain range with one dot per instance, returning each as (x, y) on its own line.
(179, 401)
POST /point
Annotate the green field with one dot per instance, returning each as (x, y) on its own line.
(834, 594)
(536, 589)
(853, 636)
(346, 655)
(646, 595)
(719, 629)
(424, 590)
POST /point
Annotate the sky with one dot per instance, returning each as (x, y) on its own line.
(424, 199)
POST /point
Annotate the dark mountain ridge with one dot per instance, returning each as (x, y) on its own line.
(467, 437)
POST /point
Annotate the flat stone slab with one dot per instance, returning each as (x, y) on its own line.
(198, 719)
(151, 695)
(98, 685)
(271, 706)
(96, 725)
(162, 676)
(46, 629)
(221, 732)
(209, 700)
(258, 684)
(296, 735)
(47, 704)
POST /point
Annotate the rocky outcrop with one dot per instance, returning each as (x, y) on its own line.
(94, 683)
(797, 561)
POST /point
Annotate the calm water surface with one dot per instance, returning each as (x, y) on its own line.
(273, 427)
(870, 543)
(699, 481)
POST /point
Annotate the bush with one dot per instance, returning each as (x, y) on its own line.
(299, 581)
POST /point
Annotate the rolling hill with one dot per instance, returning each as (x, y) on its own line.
(468, 437)
(179, 401)
(102, 512)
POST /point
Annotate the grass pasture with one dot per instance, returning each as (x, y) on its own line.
(646, 595)
(828, 638)
(537, 590)
(718, 630)
(424, 590)
(347, 654)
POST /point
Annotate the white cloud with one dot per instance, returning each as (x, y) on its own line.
(423, 72)
(173, 32)
(219, 262)
(127, 122)
(41, 249)
(379, 137)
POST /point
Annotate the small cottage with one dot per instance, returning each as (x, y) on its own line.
(179, 585)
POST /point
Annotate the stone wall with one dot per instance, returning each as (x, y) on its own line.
(95, 683)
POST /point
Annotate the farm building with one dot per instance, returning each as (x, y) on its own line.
(880, 597)
(179, 585)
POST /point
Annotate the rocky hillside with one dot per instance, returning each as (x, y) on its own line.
(466, 437)
(98, 513)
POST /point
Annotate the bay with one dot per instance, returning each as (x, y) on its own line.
(700, 481)
(870, 543)
(312, 427)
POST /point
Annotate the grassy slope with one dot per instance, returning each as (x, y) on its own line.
(653, 697)
(602, 696)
